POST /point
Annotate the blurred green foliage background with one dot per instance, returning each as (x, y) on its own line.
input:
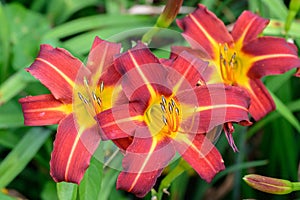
(270, 147)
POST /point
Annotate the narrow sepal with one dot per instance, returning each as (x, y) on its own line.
(270, 55)
(204, 31)
(261, 101)
(119, 122)
(143, 162)
(43, 110)
(73, 148)
(212, 105)
(57, 69)
(247, 27)
(201, 154)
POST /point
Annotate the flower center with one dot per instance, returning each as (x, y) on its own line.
(91, 99)
(229, 65)
(163, 117)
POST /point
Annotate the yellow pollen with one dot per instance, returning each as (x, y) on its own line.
(230, 68)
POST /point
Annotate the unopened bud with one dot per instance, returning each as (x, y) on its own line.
(269, 185)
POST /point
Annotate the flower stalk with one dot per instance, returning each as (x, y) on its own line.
(164, 20)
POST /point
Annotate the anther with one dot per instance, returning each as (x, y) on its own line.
(173, 102)
(163, 99)
(170, 108)
(164, 120)
(98, 101)
(177, 111)
(225, 48)
(80, 96)
(94, 96)
(101, 86)
(163, 108)
(85, 81)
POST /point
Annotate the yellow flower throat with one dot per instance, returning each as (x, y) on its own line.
(163, 117)
(230, 68)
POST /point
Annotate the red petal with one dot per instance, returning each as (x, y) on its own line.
(73, 148)
(119, 122)
(270, 56)
(143, 74)
(57, 69)
(248, 26)
(101, 57)
(212, 105)
(143, 163)
(186, 71)
(176, 50)
(261, 101)
(204, 31)
(43, 110)
(201, 154)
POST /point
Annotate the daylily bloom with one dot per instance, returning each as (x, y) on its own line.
(241, 57)
(78, 94)
(167, 113)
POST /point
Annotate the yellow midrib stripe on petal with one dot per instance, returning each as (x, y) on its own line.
(203, 108)
(72, 151)
(146, 81)
(269, 56)
(184, 139)
(68, 80)
(65, 108)
(209, 37)
(154, 144)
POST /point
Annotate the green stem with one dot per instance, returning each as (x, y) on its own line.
(164, 20)
(296, 186)
(177, 171)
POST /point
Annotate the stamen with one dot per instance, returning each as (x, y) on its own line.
(101, 86)
(163, 99)
(98, 101)
(170, 108)
(163, 108)
(80, 96)
(173, 102)
(177, 111)
(94, 96)
(164, 120)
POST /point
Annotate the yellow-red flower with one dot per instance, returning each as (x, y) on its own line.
(78, 94)
(239, 57)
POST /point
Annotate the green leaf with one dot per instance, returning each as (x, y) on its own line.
(285, 112)
(108, 183)
(11, 115)
(90, 185)
(274, 83)
(277, 8)
(4, 43)
(21, 155)
(12, 86)
(293, 10)
(66, 191)
(93, 22)
(276, 28)
(26, 30)
(60, 10)
(6, 197)
(49, 191)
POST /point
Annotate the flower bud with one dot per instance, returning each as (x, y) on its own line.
(269, 185)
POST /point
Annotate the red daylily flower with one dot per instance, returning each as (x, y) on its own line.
(240, 57)
(168, 113)
(78, 94)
